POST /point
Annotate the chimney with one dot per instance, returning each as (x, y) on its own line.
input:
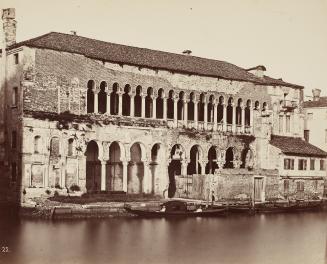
(316, 94)
(257, 71)
(9, 26)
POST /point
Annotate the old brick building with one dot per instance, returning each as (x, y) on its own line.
(109, 117)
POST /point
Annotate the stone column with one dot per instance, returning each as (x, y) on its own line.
(184, 167)
(215, 117)
(63, 173)
(125, 164)
(164, 108)
(205, 118)
(251, 120)
(143, 106)
(195, 112)
(175, 112)
(108, 104)
(243, 119)
(103, 175)
(132, 106)
(120, 103)
(237, 164)
(224, 117)
(203, 166)
(146, 180)
(234, 118)
(154, 107)
(96, 104)
(185, 112)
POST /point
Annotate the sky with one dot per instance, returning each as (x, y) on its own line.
(288, 37)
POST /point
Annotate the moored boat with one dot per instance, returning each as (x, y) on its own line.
(176, 209)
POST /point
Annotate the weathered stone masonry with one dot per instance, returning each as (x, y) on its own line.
(111, 126)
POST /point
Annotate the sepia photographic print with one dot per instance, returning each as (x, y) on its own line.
(163, 132)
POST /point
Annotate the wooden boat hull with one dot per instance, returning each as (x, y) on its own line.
(289, 208)
(158, 214)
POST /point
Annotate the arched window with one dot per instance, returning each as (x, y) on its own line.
(256, 105)
(264, 106)
(114, 100)
(170, 105)
(126, 111)
(159, 103)
(201, 108)
(190, 107)
(149, 103)
(248, 113)
(90, 96)
(210, 108)
(70, 147)
(220, 110)
(37, 146)
(138, 102)
(239, 112)
(180, 106)
(230, 111)
(229, 158)
(102, 98)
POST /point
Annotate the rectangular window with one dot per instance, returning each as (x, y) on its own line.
(14, 96)
(312, 164)
(286, 186)
(13, 171)
(281, 121)
(310, 116)
(288, 164)
(322, 164)
(16, 58)
(306, 135)
(300, 186)
(302, 164)
(288, 124)
(13, 139)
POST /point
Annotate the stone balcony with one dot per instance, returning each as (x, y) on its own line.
(68, 120)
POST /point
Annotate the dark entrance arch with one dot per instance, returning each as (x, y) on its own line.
(174, 168)
(194, 167)
(229, 158)
(212, 161)
(93, 167)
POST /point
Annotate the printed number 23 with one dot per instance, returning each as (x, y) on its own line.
(4, 249)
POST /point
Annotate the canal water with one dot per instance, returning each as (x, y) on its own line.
(278, 238)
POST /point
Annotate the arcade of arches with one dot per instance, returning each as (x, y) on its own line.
(132, 172)
(191, 110)
(134, 175)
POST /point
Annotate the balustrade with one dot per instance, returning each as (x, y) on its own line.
(209, 123)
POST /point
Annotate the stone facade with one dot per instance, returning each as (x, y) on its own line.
(104, 126)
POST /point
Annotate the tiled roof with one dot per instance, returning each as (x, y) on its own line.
(296, 146)
(322, 102)
(142, 57)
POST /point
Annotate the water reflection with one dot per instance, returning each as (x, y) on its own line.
(292, 238)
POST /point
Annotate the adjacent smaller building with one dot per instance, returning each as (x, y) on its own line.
(302, 169)
(315, 121)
